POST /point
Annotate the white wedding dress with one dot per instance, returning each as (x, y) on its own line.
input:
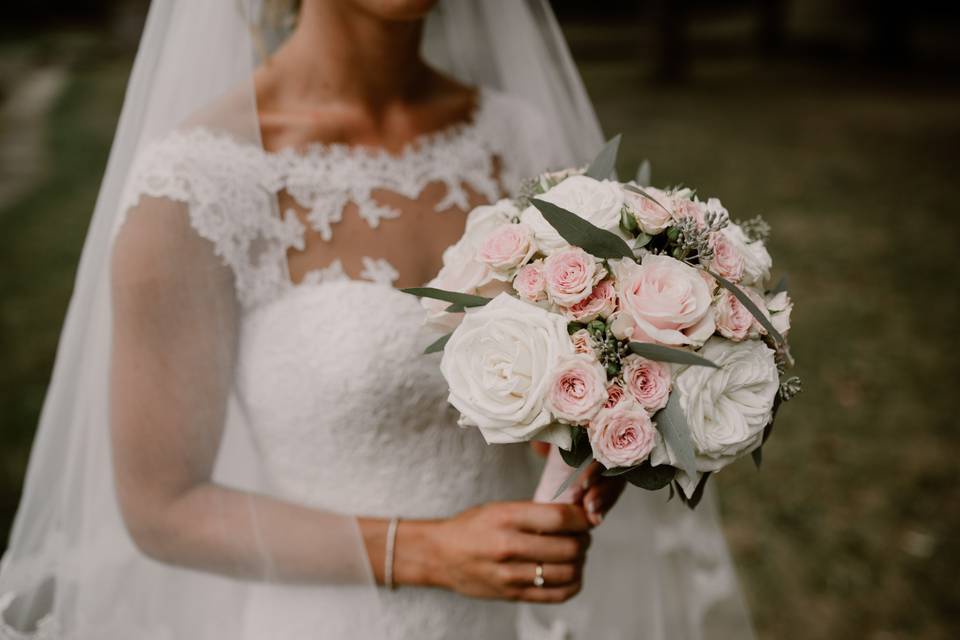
(308, 390)
(331, 373)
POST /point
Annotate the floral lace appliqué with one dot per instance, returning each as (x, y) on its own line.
(230, 188)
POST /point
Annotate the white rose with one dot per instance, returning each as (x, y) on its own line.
(461, 272)
(596, 201)
(499, 364)
(780, 307)
(727, 408)
(756, 260)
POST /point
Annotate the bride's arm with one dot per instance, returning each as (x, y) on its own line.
(174, 340)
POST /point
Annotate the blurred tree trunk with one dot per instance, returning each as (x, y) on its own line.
(673, 50)
(771, 27)
(890, 30)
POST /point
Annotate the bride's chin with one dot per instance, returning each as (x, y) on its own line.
(396, 9)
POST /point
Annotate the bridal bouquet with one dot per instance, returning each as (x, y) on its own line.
(625, 324)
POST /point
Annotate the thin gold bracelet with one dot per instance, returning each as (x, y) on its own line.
(388, 559)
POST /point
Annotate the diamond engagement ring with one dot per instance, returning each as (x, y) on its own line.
(538, 578)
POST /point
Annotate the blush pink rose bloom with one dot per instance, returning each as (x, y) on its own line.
(601, 302)
(577, 390)
(661, 300)
(615, 395)
(734, 321)
(622, 436)
(530, 282)
(688, 208)
(570, 275)
(647, 381)
(727, 261)
(652, 216)
(582, 342)
(507, 247)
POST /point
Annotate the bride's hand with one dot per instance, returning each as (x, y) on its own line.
(598, 493)
(492, 551)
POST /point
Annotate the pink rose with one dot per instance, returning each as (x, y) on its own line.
(570, 275)
(577, 389)
(647, 381)
(622, 436)
(602, 301)
(530, 282)
(507, 247)
(661, 300)
(727, 261)
(615, 395)
(688, 208)
(653, 216)
(734, 321)
(582, 342)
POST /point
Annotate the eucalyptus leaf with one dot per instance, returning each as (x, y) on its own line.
(757, 455)
(694, 500)
(661, 353)
(781, 285)
(579, 450)
(644, 174)
(578, 232)
(455, 308)
(438, 344)
(616, 471)
(672, 425)
(651, 478)
(463, 299)
(749, 304)
(605, 164)
(627, 222)
(573, 476)
(643, 239)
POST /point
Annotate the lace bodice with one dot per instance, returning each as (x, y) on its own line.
(231, 187)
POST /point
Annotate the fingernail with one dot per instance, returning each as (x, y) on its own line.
(585, 484)
(592, 507)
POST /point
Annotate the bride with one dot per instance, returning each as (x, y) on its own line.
(241, 438)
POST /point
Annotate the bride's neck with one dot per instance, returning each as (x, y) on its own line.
(338, 50)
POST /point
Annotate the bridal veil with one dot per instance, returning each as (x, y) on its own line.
(72, 570)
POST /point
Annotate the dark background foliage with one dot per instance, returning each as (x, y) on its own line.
(836, 119)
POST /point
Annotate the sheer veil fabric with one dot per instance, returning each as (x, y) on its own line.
(72, 569)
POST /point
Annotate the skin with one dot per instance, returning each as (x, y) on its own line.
(350, 73)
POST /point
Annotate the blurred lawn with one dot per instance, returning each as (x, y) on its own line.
(851, 528)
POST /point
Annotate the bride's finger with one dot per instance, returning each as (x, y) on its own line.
(546, 518)
(524, 574)
(549, 594)
(601, 497)
(527, 547)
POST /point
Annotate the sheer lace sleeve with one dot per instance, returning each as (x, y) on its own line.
(187, 244)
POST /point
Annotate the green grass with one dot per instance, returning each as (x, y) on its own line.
(850, 528)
